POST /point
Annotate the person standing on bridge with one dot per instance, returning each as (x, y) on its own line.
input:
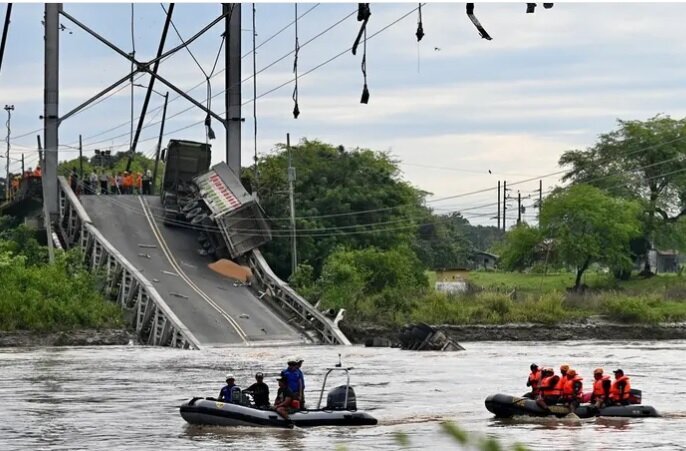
(103, 179)
(74, 180)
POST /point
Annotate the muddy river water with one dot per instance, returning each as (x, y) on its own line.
(126, 398)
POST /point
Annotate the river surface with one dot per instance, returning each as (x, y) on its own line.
(126, 398)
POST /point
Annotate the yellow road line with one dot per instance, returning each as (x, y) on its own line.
(172, 261)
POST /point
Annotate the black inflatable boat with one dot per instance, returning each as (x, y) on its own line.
(506, 406)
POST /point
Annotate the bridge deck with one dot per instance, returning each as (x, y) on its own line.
(215, 311)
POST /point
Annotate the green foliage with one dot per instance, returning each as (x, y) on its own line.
(443, 241)
(350, 198)
(21, 240)
(116, 164)
(520, 248)
(588, 226)
(373, 284)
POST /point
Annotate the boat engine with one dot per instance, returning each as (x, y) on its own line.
(335, 400)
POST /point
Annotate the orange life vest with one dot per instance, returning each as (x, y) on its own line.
(37, 172)
(128, 181)
(561, 383)
(535, 381)
(547, 389)
(568, 390)
(615, 394)
(598, 389)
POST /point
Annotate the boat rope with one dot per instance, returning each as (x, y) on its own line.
(363, 13)
(470, 13)
(296, 109)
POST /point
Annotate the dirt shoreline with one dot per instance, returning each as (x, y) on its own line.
(85, 337)
(359, 333)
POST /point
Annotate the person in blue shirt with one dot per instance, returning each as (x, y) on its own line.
(227, 392)
(299, 363)
(292, 376)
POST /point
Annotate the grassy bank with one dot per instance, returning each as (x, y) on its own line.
(46, 298)
(501, 298)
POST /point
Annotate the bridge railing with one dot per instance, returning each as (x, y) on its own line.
(281, 294)
(153, 320)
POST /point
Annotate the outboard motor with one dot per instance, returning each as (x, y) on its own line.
(635, 396)
(335, 400)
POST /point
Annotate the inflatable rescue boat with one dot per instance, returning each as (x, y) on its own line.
(506, 406)
(340, 410)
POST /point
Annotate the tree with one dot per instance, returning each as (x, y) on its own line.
(519, 249)
(442, 241)
(350, 198)
(644, 161)
(589, 226)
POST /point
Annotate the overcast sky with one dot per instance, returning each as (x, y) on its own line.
(450, 108)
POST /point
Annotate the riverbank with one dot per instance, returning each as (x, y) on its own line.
(359, 333)
(84, 337)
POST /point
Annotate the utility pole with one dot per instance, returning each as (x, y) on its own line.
(81, 160)
(5, 29)
(9, 109)
(50, 112)
(159, 144)
(22, 165)
(498, 204)
(540, 199)
(40, 151)
(504, 202)
(232, 56)
(291, 179)
(519, 207)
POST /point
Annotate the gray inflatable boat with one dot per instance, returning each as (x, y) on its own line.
(340, 410)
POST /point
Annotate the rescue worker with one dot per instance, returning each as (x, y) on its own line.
(37, 172)
(127, 182)
(563, 377)
(534, 381)
(601, 388)
(572, 392)
(549, 393)
(284, 398)
(260, 391)
(227, 392)
(292, 375)
(620, 390)
(299, 363)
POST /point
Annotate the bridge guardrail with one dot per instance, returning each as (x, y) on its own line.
(153, 320)
(287, 299)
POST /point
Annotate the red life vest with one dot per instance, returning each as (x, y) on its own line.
(549, 386)
(561, 383)
(568, 390)
(535, 381)
(598, 389)
(615, 394)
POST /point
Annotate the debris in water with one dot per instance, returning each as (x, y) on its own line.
(144, 255)
(244, 316)
(147, 246)
(178, 295)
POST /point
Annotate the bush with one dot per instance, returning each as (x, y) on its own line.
(630, 310)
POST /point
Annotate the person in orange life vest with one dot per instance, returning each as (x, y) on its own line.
(549, 393)
(534, 381)
(620, 389)
(139, 183)
(127, 183)
(563, 377)
(37, 172)
(573, 390)
(601, 388)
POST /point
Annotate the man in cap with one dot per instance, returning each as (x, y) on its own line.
(227, 392)
(299, 363)
(284, 398)
(292, 375)
(534, 381)
(620, 390)
(260, 391)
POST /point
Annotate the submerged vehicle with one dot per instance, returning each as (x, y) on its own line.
(507, 406)
(340, 410)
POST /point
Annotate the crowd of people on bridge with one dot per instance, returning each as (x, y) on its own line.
(100, 182)
(17, 179)
(547, 388)
(290, 395)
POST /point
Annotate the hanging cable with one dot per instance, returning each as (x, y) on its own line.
(254, 97)
(133, 55)
(365, 91)
(482, 31)
(363, 13)
(420, 26)
(296, 109)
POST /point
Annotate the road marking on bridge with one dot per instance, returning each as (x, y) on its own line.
(172, 261)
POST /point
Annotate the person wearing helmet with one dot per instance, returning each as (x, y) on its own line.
(260, 392)
(573, 390)
(601, 388)
(230, 393)
(534, 382)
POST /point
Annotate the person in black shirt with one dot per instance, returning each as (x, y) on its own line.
(284, 397)
(260, 391)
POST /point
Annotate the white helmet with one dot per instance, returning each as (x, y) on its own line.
(230, 376)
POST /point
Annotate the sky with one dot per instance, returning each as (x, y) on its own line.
(458, 112)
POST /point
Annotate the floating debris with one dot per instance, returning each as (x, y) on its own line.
(144, 255)
(244, 316)
(148, 246)
(179, 295)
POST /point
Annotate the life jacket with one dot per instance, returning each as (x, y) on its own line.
(535, 381)
(561, 383)
(614, 389)
(37, 172)
(547, 390)
(598, 389)
(568, 390)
